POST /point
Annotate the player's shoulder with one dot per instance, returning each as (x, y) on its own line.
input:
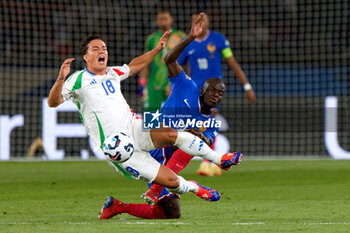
(119, 70)
(184, 81)
(217, 35)
(181, 76)
(73, 77)
(219, 39)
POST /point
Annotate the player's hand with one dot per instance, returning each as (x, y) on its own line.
(197, 29)
(163, 39)
(195, 132)
(251, 96)
(65, 68)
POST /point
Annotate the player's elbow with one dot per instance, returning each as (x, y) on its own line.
(170, 58)
(166, 58)
(52, 103)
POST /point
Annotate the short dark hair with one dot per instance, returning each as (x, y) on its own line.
(84, 44)
(212, 81)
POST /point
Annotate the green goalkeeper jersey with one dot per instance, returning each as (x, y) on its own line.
(158, 74)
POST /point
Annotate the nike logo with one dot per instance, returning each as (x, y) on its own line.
(185, 100)
(191, 52)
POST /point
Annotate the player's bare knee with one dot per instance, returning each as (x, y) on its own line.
(166, 177)
(171, 137)
(173, 182)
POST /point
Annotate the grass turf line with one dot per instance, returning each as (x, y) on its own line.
(257, 196)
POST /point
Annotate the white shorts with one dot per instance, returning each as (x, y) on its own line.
(141, 136)
(141, 166)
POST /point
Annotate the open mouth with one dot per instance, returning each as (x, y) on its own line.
(101, 60)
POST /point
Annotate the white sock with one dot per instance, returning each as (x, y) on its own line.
(193, 145)
(184, 187)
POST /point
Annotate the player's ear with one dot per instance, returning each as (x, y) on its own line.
(85, 58)
(201, 91)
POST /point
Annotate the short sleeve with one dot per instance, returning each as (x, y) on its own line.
(223, 41)
(67, 88)
(67, 91)
(182, 60)
(122, 71)
(181, 83)
(225, 49)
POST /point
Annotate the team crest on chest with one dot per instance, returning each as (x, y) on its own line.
(211, 47)
(202, 128)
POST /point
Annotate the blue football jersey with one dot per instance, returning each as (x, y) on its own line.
(183, 99)
(209, 131)
(184, 103)
(204, 57)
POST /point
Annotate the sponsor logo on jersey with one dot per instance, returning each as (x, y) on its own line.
(93, 82)
(191, 51)
(186, 102)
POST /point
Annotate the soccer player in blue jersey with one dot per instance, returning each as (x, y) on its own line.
(203, 57)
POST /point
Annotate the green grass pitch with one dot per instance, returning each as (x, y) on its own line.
(257, 196)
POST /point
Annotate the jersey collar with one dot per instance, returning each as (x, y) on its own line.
(93, 74)
(86, 69)
(206, 37)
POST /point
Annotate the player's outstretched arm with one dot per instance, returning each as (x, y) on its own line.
(140, 62)
(171, 58)
(242, 78)
(55, 96)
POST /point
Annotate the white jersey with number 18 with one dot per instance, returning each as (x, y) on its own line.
(102, 107)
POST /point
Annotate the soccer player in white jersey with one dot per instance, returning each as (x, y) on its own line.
(104, 111)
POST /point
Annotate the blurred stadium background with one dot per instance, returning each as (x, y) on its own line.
(294, 52)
